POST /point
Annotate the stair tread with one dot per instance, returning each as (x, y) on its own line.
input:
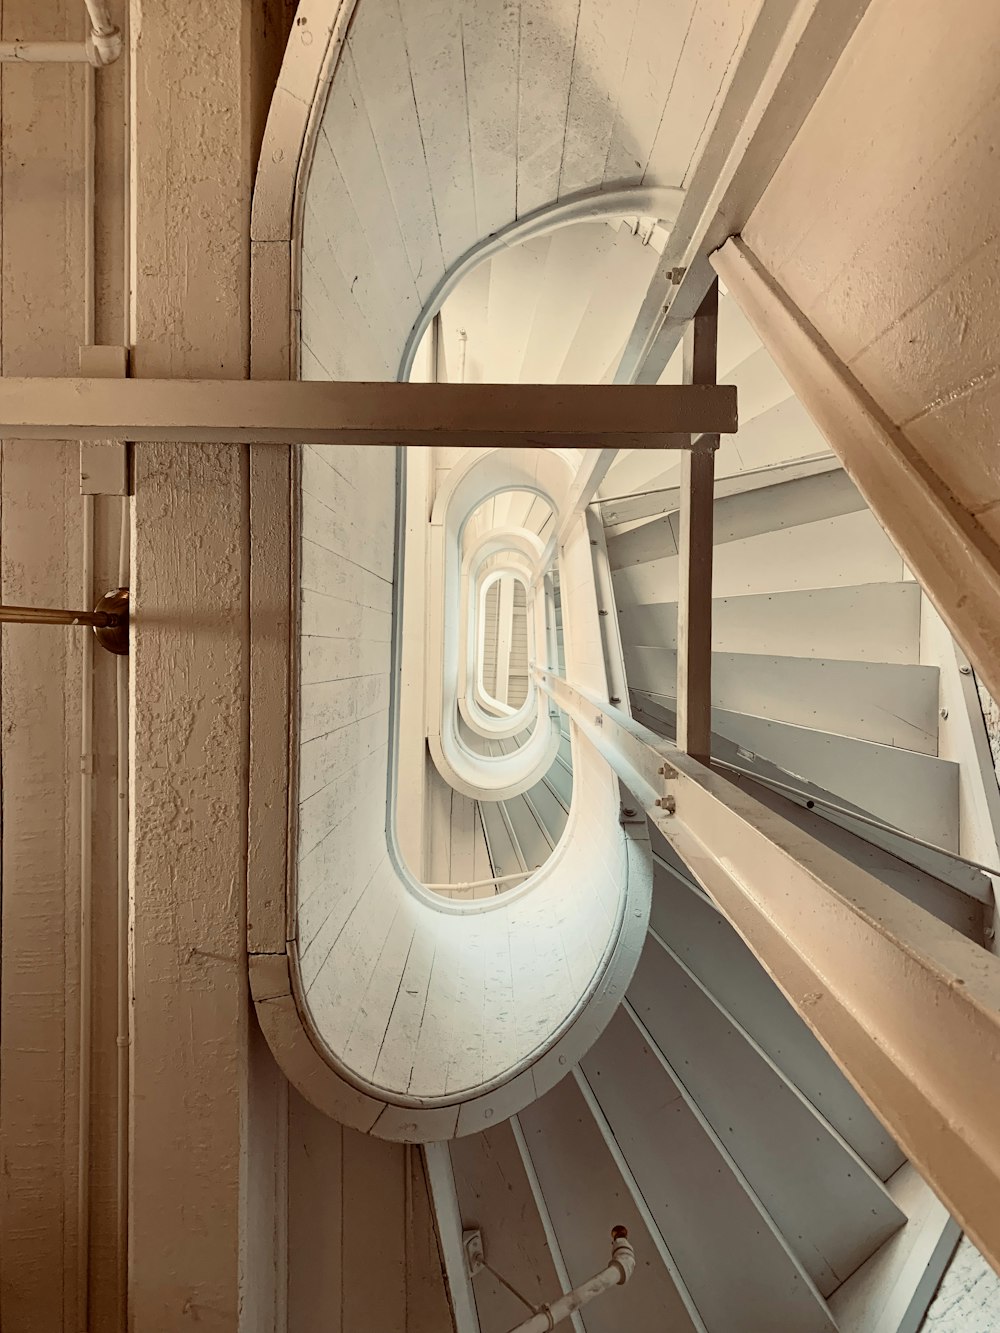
(693, 1191)
(832, 552)
(714, 952)
(914, 792)
(586, 1195)
(874, 622)
(789, 1153)
(888, 703)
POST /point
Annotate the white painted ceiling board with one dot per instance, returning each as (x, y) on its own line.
(714, 37)
(576, 254)
(378, 49)
(851, 549)
(495, 1197)
(709, 945)
(515, 288)
(349, 133)
(654, 51)
(913, 792)
(616, 294)
(545, 72)
(433, 34)
(351, 250)
(603, 37)
(490, 49)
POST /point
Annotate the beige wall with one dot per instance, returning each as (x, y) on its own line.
(41, 328)
(882, 226)
(234, 1188)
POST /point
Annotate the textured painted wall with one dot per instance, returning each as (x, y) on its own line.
(881, 225)
(968, 1299)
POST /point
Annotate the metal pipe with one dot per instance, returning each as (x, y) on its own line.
(42, 615)
(102, 45)
(123, 1036)
(617, 1273)
(479, 883)
(86, 933)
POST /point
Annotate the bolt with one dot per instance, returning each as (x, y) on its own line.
(944, 712)
(628, 813)
(676, 275)
(667, 803)
(602, 613)
(966, 670)
(614, 699)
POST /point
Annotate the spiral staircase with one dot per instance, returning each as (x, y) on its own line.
(492, 952)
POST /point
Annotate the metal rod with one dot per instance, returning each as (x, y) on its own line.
(41, 615)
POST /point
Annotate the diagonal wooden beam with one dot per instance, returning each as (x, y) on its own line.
(519, 416)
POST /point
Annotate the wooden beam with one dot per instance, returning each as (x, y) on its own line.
(520, 416)
(953, 557)
(908, 1007)
(694, 592)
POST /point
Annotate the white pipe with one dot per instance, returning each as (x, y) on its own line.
(479, 883)
(102, 45)
(617, 1273)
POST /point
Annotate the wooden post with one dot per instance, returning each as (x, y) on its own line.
(694, 599)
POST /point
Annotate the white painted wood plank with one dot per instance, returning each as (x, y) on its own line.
(914, 792)
(515, 289)
(378, 48)
(349, 249)
(433, 30)
(706, 63)
(655, 48)
(575, 257)
(490, 40)
(394, 1064)
(548, 37)
(617, 292)
(348, 131)
(603, 37)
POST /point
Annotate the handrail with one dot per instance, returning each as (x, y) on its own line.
(857, 815)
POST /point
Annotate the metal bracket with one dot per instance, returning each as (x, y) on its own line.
(475, 1255)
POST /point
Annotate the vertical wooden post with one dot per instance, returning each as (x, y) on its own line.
(694, 597)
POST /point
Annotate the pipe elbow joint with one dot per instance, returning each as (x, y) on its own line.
(104, 48)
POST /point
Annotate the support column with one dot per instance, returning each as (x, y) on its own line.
(199, 86)
(694, 602)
